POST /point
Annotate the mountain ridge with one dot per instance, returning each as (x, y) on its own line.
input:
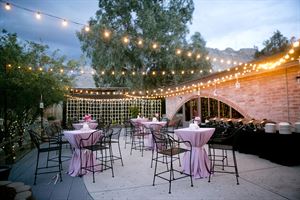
(229, 54)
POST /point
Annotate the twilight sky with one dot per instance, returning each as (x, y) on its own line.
(222, 23)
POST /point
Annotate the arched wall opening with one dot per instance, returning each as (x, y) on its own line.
(205, 107)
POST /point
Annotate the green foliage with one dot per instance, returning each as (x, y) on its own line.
(21, 88)
(276, 44)
(134, 111)
(162, 22)
(49, 118)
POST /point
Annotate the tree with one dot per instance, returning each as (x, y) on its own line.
(22, 82)
(153, 22)
(276, 44)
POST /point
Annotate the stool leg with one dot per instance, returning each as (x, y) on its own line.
(120, 153)
(235, 167)
(171, 172)
(60, 165)
(111, 159)
(155, 168)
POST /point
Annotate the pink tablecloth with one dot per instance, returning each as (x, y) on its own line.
(198, 138)
(147, 125)
(92, 121)
(139, 120)
(92, 125)
(74, 139)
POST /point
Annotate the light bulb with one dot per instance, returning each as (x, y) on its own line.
(126, 40)
(140, 42)
(38, 15)
(87, 28)
(64, 23)
(106, 34)
(7, 6)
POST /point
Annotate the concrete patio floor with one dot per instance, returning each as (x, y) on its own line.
(259, 179)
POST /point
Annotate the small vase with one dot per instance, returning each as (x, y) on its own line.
(85, 126)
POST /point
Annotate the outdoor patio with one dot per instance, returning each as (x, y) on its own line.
(259, 179)
(200, 80)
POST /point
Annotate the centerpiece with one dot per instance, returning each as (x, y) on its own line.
(87, 118)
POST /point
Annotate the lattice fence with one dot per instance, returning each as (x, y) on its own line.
(116, 110)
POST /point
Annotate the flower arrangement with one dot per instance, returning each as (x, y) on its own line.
(87, 118)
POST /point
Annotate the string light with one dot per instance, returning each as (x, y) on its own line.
(126, 40)
(106, 34)
(7, 6)
(38, 15)
(140, 42)
(87, 28)
(253, 67)
(154, 46)
(268, 65)
(64, 23)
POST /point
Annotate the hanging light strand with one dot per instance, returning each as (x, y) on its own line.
(139, 41)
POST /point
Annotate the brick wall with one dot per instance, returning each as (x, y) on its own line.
(271, 94)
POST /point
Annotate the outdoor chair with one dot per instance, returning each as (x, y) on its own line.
(56, 147)
(224, 142)
(95, 143)
(173, 125)
(105, 147)
(166, 146)
(159, 129)
(128, 127)
(115, 139)
(156, 129)
(54, 132)
(166, 126)
(138, 137)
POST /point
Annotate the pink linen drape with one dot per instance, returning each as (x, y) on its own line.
(198, 138)
(74, 138)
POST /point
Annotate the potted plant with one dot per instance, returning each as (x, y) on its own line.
(51, 118)
(134, 111)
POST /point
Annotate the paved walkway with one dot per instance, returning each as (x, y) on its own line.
(259, 179)
(71, 188)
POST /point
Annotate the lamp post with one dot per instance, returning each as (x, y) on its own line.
(42, 115)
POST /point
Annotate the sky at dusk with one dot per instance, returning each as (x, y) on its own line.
(222, 23)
